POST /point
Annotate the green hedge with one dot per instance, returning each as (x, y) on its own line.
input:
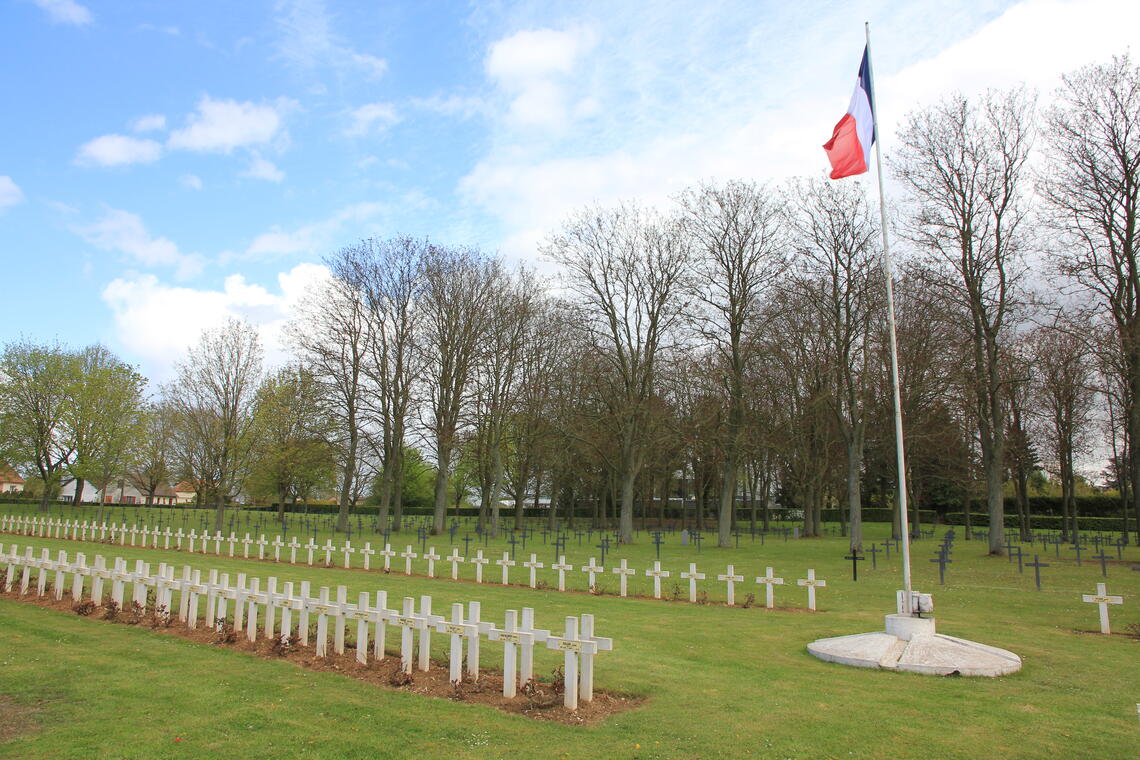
(880, 515)
(1041, 522)
(1093, 506)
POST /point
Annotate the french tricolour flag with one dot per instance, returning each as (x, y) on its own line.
(849, 149)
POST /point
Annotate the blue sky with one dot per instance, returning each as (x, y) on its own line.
(165, 165)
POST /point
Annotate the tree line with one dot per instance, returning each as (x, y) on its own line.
(729, 349)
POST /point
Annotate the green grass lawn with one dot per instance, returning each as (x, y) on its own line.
(720, 682)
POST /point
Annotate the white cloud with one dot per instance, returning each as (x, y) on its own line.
(315, 238)
(222, 125)
(531, 67)
(65, 11)
(1033, 42)
(192, 181)
(149, 123)
(10, 192)
(461, 106)
(117, 150)
(260, 168)
(308, 41)
(125, 233)
(371, 118)
(158, 321)
(683, 110)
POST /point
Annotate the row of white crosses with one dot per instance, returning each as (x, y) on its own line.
(43, 526)
(251, 604)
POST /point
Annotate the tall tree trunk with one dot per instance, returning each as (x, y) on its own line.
(439, 511)
(727, 500)
(349, 477)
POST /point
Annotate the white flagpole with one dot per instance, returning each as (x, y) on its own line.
(888, 273)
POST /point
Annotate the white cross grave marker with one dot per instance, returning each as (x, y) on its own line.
(731, 579)
(692, 576)
(458, 630)
(455, 559)
(623, 574)
(408, 556)
(387, 554)
(657, 574)
(811, 584)
(591, 570)
(479, 561)
(533, 565)
(769, 581)
(506, 563)
(1102, 599)
(431, 557)
(562, 569)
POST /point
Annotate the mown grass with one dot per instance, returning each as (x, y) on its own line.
(722, 682)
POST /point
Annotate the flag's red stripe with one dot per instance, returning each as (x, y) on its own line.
(844, 150)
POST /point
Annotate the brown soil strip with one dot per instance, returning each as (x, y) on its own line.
(541, 700)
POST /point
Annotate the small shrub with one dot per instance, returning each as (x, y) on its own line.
(283, 645)
(224, 632)
(703, 597)
(675, 592)
(135, 614)
(83, 609)
(160, 618)
(558, 681)
(400, 678)
(111, 611)
(1133, 629)
(749, 601)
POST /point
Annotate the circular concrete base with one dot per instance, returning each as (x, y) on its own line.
(924, 651)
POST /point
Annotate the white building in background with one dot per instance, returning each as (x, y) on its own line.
(121, 492)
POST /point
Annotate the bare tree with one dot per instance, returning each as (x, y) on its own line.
(963, 165)
(330, 335)
(458, 285)
(388, 275)
(1064, 378)
(1092, 185)
(740, 247)
(213, 396)
(838, 274)
(498, 383)
(628, 269)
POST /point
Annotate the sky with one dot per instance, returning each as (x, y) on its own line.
(167, 165)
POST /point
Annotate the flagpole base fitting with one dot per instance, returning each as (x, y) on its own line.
(909, 644)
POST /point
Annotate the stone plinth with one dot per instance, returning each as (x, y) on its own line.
(910, 644)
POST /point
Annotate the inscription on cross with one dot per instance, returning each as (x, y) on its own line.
(623, 572)
(1102, 599)
(657, 574)
(692, 576)
(731, 578)
(811, 582)
(533, 565)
